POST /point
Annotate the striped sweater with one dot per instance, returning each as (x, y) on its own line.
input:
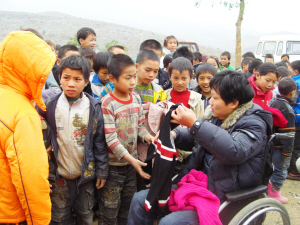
(123, 125)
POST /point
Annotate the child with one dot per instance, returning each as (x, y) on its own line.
(147, 65)
(269, 58)
(86, 37)
(162, 77)
(293, 172)
(245, 64)
(213, 60)
(123, 125)
(253, 67)
(89, 54)
(100, 79)
(117, 49)
(170, 44)
(197, 60)
(282, 72)
(225, 61)
(283, 147)
(167, 61)
(263, 83)
(181, 72)
(78, 143)
(285, 57)
(204, 74)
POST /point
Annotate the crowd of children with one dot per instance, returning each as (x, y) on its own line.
(93, 120)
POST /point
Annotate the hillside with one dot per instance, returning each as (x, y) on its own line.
(60, 27)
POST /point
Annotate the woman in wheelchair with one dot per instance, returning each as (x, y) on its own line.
(228, 145)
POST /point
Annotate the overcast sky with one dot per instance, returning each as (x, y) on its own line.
(177, 17)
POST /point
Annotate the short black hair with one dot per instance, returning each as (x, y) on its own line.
(146, 54)
(285, 55)
(181, 64)
(101, 60)
(215, 58)
(248, 54)
(281, 64)
(57, 47)
(63, 49)
(296, 65)
(206, 68)
(266, 68)
(246, 61)
(286, 85)
(269, 56)
(151, 44)
(183, 52)
(84, 32)
(76, 62)
(227, 54)
(167, 60)
(116, 46)
(286, 61)
(117, 63)
(168, 38)
(34, 31)
(87, 53)
(232, 86)
(283, 71)
(255, 64)
(197, 55)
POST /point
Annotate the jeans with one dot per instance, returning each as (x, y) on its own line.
(280, 165)
(115, 197)
(67, 197)
(139, 215)
(296, 152)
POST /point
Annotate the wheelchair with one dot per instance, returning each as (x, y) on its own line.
(251, 206)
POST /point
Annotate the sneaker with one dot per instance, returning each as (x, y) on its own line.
(293, 176)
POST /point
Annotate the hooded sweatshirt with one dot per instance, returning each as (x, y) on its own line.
(25, 63)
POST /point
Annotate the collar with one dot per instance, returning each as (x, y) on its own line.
(281, 97)
(96, 79)
(233, 117)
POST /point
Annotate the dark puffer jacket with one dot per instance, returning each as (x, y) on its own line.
(237, 147)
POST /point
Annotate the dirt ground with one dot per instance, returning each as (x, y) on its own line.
(291, 190)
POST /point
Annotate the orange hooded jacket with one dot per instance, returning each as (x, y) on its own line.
(25, 62)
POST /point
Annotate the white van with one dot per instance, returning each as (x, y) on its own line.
(278, 45)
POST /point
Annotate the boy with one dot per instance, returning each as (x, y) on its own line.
(197, 60)
(282, 72)
(100, 79)
(86, 37)
(269, 58)
(181, 72)
(78, 143)
(147, 66)
(283, 147)
(204, 74)
(123, 125)
(253, 67)
(89, 54)
(162, 77)
(293, 172)
(285, 57)
(117, 49)
(245, 64)
(225, 61)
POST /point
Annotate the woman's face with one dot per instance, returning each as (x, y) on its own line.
(219, 109)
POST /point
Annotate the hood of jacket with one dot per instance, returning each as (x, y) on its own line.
(25, 63)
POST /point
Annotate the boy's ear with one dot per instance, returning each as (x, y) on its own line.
(235, 104)
(257, 75)
(137, 66)
(58, 61)
(80, 41)
(111, 78)
(279, 78)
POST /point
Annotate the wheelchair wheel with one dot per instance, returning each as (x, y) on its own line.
(262, 211)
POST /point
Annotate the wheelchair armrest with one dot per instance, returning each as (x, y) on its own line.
(246, 193)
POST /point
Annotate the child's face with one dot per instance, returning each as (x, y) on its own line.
(195, 61)
(180, 81)
(147, 71)
(126, 82)
(103, 75)
(203, 81)
(89, 42)
(245, 68)
(172, 44)
(213, 61)
(284, 58)
(224, 60)
(72, 82)
(266, 82)
(269, 60)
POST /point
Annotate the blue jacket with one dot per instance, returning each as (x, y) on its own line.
(237, 148)
(296, 107)
(95, 162)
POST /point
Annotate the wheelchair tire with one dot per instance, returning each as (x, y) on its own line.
(258, 211)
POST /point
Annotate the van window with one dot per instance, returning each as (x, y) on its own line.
(259, 48)
(279, 48)
(269, 47)
(293, 47)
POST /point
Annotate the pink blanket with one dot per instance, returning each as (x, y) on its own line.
(192, 194)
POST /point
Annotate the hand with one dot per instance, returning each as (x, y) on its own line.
(183, 116)
(137, 164)
(50, 185)
(49, 149)
(173, 134)
(149, 138)
(100, 183)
